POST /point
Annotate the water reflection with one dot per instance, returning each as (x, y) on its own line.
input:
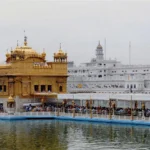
(67, 135)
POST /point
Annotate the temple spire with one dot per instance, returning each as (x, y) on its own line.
(99, 52)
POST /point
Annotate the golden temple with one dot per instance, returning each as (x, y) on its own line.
(27, 76)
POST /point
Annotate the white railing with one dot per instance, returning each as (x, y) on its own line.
(34, 113)
(81, 114)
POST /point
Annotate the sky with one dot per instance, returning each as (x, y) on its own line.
(78, 25)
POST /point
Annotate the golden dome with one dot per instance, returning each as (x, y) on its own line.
(60, 51)
(26, 50)
(10, 99)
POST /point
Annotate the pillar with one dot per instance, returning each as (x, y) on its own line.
(131, 109)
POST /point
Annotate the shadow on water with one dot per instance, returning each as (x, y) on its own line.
(71, 135)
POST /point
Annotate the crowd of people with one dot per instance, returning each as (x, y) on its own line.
(84, 110)
(1, 108)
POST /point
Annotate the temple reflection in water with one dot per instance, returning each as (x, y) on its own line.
(28, 77)
(67, 135)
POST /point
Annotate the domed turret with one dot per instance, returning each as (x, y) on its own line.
(60, 56)
(99, 46)
(8, 55)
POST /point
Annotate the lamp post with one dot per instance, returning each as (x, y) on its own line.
(113, 106)
(131, 103)
(131, 108)
(73, 105)
(57, 108)
(91, 108)
(63, 104)
(110, 108)
(143, 109)
(87, 106)
(135, 107)
(42, 100)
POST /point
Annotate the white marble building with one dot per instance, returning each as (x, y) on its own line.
(108, 76)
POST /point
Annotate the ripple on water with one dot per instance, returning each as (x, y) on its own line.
(68, 135)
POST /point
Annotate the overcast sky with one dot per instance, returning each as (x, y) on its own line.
(78, 25)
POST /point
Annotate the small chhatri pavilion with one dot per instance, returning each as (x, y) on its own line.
(28, 77)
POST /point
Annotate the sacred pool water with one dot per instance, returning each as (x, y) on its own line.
(69, 135)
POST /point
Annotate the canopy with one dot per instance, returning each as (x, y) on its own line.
(84, 96)
(99, 96)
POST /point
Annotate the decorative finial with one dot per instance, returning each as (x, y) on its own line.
(44, 54)
(60, 45)
(99, 42)
(25, 40)
(17, 43)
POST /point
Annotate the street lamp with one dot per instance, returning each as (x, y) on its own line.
(131, 103)
(73, 105)
(90, 107)
(110, 104)
(143, 109)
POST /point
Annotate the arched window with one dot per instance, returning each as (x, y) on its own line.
(60, 88)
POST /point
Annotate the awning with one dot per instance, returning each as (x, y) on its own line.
(106, 97)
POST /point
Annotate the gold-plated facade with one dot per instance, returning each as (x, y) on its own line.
(27, 73)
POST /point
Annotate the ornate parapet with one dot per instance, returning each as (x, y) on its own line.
(42, 66)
